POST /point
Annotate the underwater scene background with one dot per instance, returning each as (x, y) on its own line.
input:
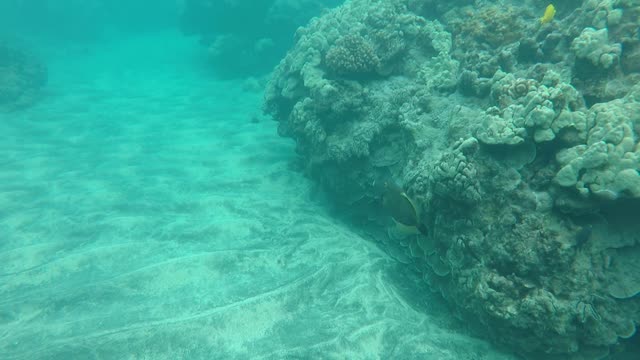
(319, 179)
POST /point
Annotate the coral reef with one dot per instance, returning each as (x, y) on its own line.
(21, 77)
(606, 164)
(594, 46)
(517, 139)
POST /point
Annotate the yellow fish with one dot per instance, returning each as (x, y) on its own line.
(549, 13)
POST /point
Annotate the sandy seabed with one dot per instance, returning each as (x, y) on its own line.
(144, 215)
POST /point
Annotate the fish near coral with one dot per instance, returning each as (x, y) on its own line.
(401, 209)
(549, 13)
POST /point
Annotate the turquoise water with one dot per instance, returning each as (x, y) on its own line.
(146, 214)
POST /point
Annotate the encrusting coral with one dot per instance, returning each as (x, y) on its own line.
(594, 46)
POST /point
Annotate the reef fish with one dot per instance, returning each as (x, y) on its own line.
(401, 209)
(549, 13)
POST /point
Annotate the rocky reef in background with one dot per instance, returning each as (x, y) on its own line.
(518, 141)
(21, 78)
(248, 37)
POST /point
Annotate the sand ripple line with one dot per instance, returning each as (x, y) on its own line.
(60, 289)
(78, 340)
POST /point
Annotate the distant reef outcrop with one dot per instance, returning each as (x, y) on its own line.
(21, 77)
(248, 37)
(517, 139)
